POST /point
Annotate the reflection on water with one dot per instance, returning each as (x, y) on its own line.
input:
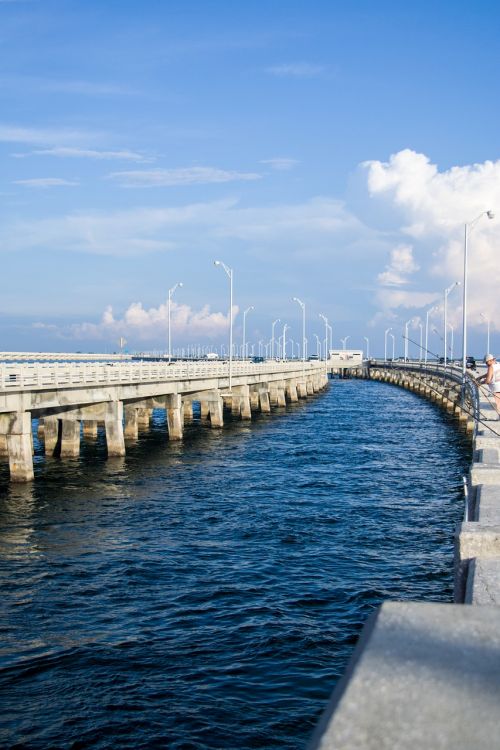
(207, 594)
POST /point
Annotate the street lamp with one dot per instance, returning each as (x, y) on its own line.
(285, 329)
(367, 346)
(170, 293)
(385, 343)
(272, 336)
(344, 341)
(318, 346)
(485, 317)
(429, 312)
(325, 320)
(468, 229)
(229, 273)
(420, 325)
(302, 305)
(446, 293)
(406, 338)
(244, 329)
(452, 329)
(393, 344)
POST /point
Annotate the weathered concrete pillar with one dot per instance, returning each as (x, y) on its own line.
(265, 401)
(236, 402)
(4, 450)
(90, 429)
(187, 410)
(70, 438)
(301, 389)
(50, 435)
(309, 386)
(254, 400)
(216, 411)
(143, 418)
(245, 410)
(175, 420)
(281, 395)
(291, 391)
(204, 409)
(273, 394)
(40, 429)
(113, 423)
(131, 430)
(19, 446)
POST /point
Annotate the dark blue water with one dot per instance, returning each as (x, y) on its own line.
(209, 594)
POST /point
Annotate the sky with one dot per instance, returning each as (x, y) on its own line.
(328, 151)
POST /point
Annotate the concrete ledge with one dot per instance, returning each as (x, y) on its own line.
(487, 509)
(482, 473)
(483, 582)
(422, 676)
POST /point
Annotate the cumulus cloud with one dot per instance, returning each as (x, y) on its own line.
(400, 267)
(46, 182)
(431, 207)
(139, 324)
(181, 176)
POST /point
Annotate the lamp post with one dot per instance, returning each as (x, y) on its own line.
(318, 346)
(406, 338)
(446, 293)
(272, 336)
(344, 341)
(385, 343)
(245, 312)
(303, 307)
(229, 273)
(452, 329)
(485, 317)
(468, 229)
(325, 320)
(421, 337)
(367, 346)
(393, 344)
(285, 329)
(429, 312)
(170, 293)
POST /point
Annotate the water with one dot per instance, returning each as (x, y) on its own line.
(209, 594)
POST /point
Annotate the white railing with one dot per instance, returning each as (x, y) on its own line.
(41, 375)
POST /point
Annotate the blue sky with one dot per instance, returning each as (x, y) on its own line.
(326, 150)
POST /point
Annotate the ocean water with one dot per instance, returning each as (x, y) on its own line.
(209, 594)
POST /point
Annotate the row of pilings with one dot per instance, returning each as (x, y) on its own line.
(435, 387)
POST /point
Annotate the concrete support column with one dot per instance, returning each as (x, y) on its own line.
(143, 419)
(254, 400)
(19, 447)
(273, 394)
(70, 438)
(174, 416)
(113, 423)
(131, 431)
(291, 391)
(216, 412)
(187, 410)
(301, 389)
(245, 409)
(265, 401)
(40, 429)
(4, 450)
(50, 434)
(236, 402)
(204, 409)
(281, 394)
(309, 386)
(90, 429)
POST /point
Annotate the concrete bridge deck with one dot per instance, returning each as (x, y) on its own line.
(121, 396)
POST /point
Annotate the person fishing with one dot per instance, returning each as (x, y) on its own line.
(492, 378)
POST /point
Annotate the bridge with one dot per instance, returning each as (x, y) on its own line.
(120, 395)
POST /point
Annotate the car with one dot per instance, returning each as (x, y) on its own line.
(313, 357)
(257, 360)
(470, 363)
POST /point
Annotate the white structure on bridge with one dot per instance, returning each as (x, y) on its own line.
(122, 394)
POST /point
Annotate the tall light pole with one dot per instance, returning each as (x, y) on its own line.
(302, 305)
(468, 229)
(446, 293)
(169, 306)
(393, 344)
(344, 341)
(485, 317)
(429, 312)
(367, 346)
(285, 329)
(245, 312)
(318, 345)
(452, 330)
(272, 336)
(325, 320)
(387, 330)
(229, 272)
(406, 338)
(420, 325)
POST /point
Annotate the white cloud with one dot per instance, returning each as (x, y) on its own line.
(181, 176)
(432, 208)
(400, 267)
(296, 70)
(46, 182)
(140, 324)
(85, 153)
(43, 136)
(281, 164)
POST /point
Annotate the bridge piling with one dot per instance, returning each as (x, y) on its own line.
(113, 423)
